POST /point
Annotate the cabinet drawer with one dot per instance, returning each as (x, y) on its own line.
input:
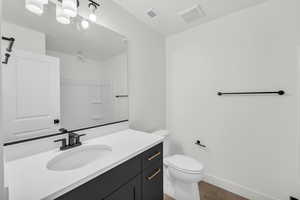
(153, 182)
(106, 183)
(153, 155)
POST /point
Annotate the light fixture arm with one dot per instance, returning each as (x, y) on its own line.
(93, 4)
(93, 7)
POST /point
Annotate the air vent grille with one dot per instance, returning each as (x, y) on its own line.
(192, 14)
(151, 13)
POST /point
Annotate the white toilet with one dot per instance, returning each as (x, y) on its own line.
(181, 173)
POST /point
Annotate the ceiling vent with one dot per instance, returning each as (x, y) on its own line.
(151, 13)
(192, 14)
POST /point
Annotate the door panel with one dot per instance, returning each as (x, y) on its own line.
(31, 95)
(32, 84)
(130, 191)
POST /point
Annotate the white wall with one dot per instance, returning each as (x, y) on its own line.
(146, 61)
(26, 39)
(253, 141)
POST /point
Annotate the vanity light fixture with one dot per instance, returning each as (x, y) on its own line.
(93, 7)
(85, 24)
(70, 7)
(36, 6)
(93, 17)
(61, 16)
(65, 10)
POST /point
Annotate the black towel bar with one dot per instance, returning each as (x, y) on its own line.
(280, 92)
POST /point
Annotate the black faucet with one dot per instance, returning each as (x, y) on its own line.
(73, 138)
(64, 145)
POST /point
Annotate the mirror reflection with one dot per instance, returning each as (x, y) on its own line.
(58, 75)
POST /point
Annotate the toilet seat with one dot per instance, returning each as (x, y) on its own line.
(184, 163)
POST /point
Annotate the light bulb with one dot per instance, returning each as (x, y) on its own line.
(61, 16)
(93, 17)
(85, 24)
(70, 7)
(35, 6)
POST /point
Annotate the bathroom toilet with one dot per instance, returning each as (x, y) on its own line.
(182, 173)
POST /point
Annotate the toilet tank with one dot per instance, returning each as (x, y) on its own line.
(165, 134)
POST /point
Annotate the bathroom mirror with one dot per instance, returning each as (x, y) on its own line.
(71, 76)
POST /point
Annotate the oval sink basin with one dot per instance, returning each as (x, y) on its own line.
(78, 157)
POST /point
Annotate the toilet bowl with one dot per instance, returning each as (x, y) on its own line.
(181, 173)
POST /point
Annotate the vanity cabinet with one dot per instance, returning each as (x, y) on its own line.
(31, 95)
(140, 178)
(129, 191)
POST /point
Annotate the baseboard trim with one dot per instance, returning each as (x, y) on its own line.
(237, 189)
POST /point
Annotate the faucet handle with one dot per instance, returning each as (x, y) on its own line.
(78, 138)
(63, 130)
(64, 143)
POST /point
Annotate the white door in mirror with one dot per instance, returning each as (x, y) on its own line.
(31, 95)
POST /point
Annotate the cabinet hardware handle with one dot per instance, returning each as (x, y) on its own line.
(153, 175)
(154, 156)
(63, 130)
(63, 144)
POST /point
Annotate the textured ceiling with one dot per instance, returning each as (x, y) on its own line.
(168, 21)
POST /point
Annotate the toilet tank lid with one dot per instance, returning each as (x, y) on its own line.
(184, 163)
(163, 133)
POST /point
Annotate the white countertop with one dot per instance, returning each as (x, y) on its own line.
(29, 179)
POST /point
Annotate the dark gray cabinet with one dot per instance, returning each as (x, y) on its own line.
(140, 178)
(152, 182)
(129, 191)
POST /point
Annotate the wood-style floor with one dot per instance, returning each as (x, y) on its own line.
(211, 192)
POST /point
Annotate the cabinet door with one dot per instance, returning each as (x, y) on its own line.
(130, 191)
(31, 95)
(153, 182)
